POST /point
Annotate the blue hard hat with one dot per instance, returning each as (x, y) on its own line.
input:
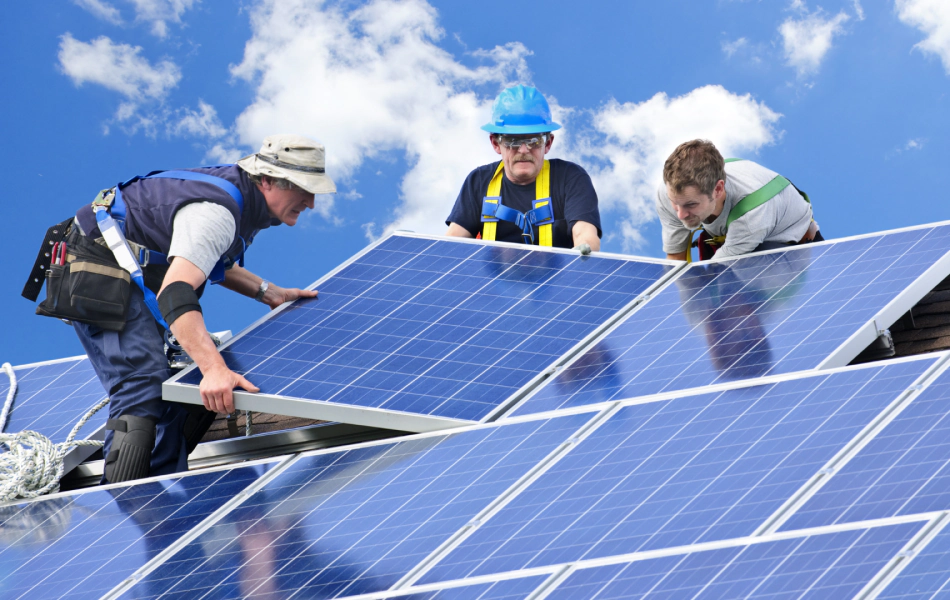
(520, 109)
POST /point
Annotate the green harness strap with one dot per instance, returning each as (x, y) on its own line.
(758, 197)
(750, 202)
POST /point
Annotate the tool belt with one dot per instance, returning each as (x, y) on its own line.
(83, 280)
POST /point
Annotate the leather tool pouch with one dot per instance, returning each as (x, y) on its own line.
(90, 287)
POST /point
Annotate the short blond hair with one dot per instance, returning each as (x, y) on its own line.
(697, 163)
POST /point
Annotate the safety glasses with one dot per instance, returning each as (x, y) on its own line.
(517, 141)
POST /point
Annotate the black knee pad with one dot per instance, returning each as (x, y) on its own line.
(197, 423)
(133, 439)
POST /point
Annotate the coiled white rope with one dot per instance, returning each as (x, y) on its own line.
(34, 465)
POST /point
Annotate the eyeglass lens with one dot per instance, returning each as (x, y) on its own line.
(516, 142)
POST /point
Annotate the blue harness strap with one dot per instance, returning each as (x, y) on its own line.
(117, 213)
(493, 210)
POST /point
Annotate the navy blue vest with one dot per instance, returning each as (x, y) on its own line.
(152, 204)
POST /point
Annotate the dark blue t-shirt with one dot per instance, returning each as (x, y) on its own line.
(572, 196)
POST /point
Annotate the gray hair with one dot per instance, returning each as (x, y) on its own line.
(281, 184)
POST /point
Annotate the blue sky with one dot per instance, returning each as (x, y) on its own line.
(847, 100)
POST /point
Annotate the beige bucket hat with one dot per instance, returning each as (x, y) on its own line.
(295, 158)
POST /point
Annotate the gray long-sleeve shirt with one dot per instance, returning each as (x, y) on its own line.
(784, 218)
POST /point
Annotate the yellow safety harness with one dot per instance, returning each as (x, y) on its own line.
(541, 215)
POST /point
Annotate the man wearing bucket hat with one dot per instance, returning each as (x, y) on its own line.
(524, 197)
(183, 228)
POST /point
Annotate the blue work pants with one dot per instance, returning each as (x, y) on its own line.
(132, 366)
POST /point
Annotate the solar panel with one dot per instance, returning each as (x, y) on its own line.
(356, 521)
(52, 397)
(419, 334)
(927, 575)
(903, 470)
(518, 588)
(678, 472)
(831, 565)
(82, 544)
(811, 306)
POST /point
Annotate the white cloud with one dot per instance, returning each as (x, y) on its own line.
(807, 38)
(625, 154)
(200, 123)
(371, 82)
(118, 67)
(159, 13)
(101, 10)
(858, 10)
(143, 85)
(730, 48)
(932, 17)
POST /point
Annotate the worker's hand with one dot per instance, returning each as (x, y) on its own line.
(276, 295)
(217, 387)
(584, 249)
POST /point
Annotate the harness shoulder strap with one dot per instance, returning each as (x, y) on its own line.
(118, 210)
(541, 214)
(757, 198)
(490, 228)
(218, 182)
(543, 200)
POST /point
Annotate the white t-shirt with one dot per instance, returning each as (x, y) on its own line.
(201, 233)
(784, 218)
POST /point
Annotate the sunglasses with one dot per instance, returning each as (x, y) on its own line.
(516, 142)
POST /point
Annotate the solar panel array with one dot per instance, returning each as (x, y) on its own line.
(751, 317)
(822, 482)
(427, 333)
(52, 396)
(82, 545)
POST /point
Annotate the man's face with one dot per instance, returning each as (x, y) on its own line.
(285, 205)
(692, 207)
(523, 161)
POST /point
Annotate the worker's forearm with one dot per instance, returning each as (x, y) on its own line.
(585, 233)
(191, 333)
(456, 230)
(677, 256)
(240, 280)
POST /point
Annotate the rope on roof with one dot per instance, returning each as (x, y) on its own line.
(34, 465)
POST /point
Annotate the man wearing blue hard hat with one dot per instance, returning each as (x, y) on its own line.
(525, 197)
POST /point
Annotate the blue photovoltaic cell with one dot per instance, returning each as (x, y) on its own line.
(353, 522)
(52, 397)
(679, 472)
(904, 470)
(507, 589)
(82, 545)
(435, 327)
(927, 575)
(834, 565)
(754, 316)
